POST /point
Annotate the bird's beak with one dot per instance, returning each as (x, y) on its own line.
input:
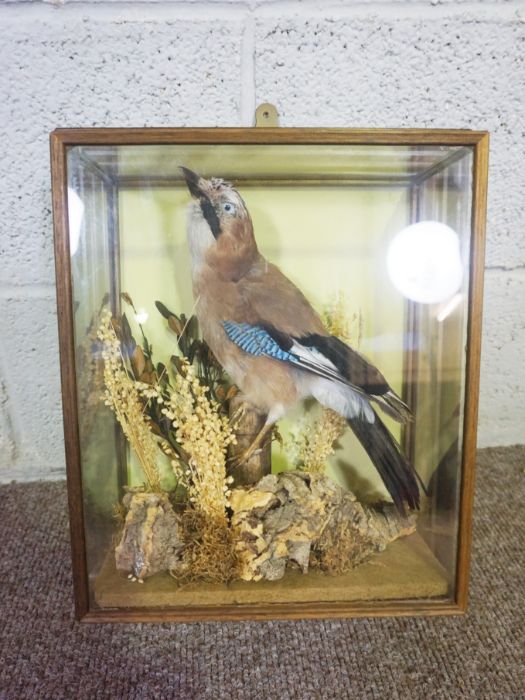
(192, 180)
(200, 189)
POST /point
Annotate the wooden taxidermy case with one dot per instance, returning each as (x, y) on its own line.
(383, 232)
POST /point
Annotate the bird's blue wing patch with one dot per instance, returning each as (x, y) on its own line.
(267, 341)
(256, 341)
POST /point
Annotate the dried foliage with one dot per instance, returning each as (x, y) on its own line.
(144, 370)
(91, 378)
(345, 551)
(197, 353)
(179, 409)
(209, 553)
(348, 328)
(122, 396)
(204, 435)
(315, 444)
(157, 377)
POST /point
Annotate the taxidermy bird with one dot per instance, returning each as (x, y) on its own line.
(273, 344)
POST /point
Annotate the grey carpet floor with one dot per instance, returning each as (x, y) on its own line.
(44, 653)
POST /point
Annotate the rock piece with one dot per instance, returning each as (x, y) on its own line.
(355, 532)
(150, 541)
(300, 519)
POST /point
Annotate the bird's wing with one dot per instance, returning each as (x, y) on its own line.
(350, 364)
(360, 373)
(273, 303)
(323, 355)
(265, 340)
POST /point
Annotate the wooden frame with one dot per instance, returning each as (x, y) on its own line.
(61, 139)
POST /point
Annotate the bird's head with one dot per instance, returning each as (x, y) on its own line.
(220, 230)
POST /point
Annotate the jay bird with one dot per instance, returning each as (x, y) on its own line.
(273, 344)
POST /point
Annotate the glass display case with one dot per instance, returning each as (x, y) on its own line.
(270, 355)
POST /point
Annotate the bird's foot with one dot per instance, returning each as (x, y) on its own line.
(255, 448)
(240, 460)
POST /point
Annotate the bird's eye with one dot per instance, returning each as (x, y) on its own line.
(229, 208)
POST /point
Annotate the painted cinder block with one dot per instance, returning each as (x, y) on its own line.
(8, 448)
(31, 378)
(502, 399)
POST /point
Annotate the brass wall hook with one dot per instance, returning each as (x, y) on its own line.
(266, 115)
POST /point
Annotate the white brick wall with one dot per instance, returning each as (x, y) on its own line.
(440, 63)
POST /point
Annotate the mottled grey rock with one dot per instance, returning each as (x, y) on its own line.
(299, 519)
(150, 540)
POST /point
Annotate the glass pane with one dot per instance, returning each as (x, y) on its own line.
(95, 279)
(376, 238)
(160, 164)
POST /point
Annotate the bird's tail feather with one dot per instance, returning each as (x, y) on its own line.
(397, 474)
(395, 402)
(393, 406)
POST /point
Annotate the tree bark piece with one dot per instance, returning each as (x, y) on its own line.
(301, 520)
(248, 427)
(150, 541)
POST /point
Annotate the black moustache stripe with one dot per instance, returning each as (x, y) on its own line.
(210, 215)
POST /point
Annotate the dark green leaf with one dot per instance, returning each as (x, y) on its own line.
(193, 350)
(163, 309)
(193, 327)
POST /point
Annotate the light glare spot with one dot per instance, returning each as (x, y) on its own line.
(75, 208)
(424, 262)
(141, 316)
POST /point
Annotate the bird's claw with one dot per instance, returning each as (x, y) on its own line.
(236, 462)
(240, 460)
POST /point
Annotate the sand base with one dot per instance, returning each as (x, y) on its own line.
(406, 569)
